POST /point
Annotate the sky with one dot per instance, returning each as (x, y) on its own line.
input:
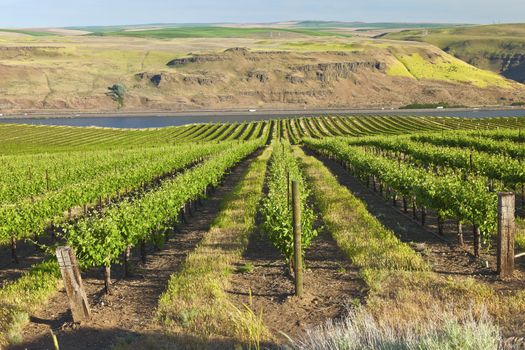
(61, 13)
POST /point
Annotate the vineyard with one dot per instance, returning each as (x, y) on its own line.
(188, 235)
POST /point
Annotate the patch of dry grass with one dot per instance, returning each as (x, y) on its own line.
(446, 331)
(26, 294)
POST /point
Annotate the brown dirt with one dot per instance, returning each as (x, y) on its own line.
(28, 255)
(130, 311)
(331, 285)
(443, 254)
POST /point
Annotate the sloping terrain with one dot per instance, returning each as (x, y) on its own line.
(499, 48)
(74, 73)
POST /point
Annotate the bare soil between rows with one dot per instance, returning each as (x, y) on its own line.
(130, 311)
(331, 286)
(28, 255)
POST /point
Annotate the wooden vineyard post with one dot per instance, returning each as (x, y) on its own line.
(288, 188)
(127, 258)
(67, 262)
(298, 255)
(441, 224)
(14, 255)
(477, 240)
(506, 231)
(47, 179)
(461, 241)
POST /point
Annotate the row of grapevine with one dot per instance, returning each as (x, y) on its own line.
(447, 193)
(32, 175)
(27, 138)
(100, 239)
(482, 144)
(31, 216)
(276, 208)
(17, 139)
(512, 135)
(510, 171)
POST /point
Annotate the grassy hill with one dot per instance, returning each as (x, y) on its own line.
(499, 48)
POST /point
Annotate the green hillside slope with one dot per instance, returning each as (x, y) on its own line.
(499, 48)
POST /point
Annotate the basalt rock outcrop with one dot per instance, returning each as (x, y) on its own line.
(154, 79)
(260, 76)
(512, 66)
(195, 59)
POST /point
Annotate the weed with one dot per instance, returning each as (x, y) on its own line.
(245, 268)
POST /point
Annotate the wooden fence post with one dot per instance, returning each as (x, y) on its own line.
(461, 240)
(298, 255)
(68, 264)
(506, 232)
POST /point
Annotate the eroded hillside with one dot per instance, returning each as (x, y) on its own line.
(74, 73)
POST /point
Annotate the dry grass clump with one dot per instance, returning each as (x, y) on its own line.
(20, 297)
(361, 331)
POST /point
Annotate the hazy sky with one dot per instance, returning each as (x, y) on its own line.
(41, 13)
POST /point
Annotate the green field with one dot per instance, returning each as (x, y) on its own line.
(490, 38)
(373, 25)
(215, 32)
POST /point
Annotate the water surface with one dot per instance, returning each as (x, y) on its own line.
(138, 122)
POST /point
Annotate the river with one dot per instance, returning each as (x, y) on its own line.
(139, 122)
